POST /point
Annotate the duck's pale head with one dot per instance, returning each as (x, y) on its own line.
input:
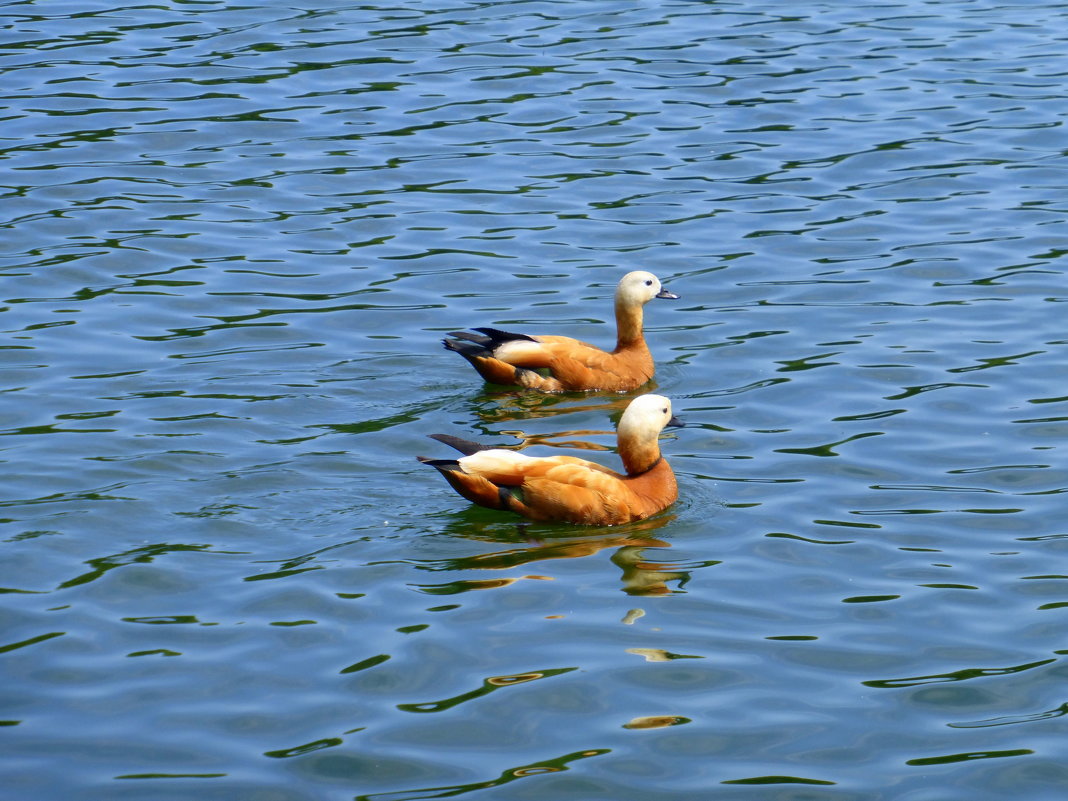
(647, 415)
(639, 287)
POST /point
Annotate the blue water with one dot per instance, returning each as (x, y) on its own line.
(231, 238)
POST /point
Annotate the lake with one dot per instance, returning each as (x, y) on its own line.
(231, 240)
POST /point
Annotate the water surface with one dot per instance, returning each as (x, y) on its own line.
(230, 240)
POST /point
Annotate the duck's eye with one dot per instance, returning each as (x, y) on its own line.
(648, 283)
(663, 411)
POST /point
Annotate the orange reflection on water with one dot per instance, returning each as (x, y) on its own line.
(641, 577)
(655, 722)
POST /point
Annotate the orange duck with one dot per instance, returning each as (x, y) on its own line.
(568, 489)
(513, 359)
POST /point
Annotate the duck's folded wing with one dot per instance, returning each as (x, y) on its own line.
(529, 353)
(557, 349)
(504, 467)
(578, 493)
(512, 468)
(578, 364)
(554, 488)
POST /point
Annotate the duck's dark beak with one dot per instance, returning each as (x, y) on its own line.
(663, 293)
(675, 422)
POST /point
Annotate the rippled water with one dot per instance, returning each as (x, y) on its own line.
(231, 237)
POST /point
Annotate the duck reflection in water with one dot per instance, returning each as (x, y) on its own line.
(640, 575)
(503, 406)
(644, 577)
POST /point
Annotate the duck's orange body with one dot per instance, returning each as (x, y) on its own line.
(512, 359)
(568, 489)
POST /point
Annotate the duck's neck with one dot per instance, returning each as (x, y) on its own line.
(628, 324)
(639, 452)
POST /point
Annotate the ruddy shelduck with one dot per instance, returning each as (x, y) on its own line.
(501, 357)
(568, 489)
